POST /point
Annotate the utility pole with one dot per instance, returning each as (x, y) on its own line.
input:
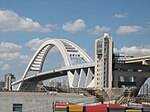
(53, 94)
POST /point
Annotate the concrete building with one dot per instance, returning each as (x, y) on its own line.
(54, 83)
(103, 59)
(37, 102)
(2, 85)
(9, 78)
(120, 58)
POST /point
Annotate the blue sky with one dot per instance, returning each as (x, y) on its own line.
(25, 24)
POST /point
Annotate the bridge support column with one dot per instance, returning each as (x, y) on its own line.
(76, 78)
(89, 77)
(70, 77)
(82, 79)
(15, 87)
(144, 62)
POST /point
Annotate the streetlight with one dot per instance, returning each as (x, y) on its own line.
(53, 94)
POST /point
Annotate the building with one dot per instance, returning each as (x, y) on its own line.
(9, 78)
(54, 83)
(120, 58)
(103, 59)
(2, 85)
(38, 101)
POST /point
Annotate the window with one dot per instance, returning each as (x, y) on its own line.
(98, 69)
(17, 107)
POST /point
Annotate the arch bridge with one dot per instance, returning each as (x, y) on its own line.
(79, 75)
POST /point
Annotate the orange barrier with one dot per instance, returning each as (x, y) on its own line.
(75, 108)
(133, 110)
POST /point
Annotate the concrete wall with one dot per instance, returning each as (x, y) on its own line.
(38, 102)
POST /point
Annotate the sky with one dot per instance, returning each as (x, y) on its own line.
(26, 24)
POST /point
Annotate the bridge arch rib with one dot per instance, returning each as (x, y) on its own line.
(36, 63)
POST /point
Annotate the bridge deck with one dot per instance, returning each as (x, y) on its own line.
(54, 73)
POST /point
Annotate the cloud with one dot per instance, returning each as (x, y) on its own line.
(13, 56)
(11, 21)
(76, 26)
(123, 30)
(1, 62)
(147, 29)
(121, 15)
(134, 50)
(5, 67)
(115, 50)
(34, 44)
(10, 52)
(99, 30)
(9, 47)
(24, 58)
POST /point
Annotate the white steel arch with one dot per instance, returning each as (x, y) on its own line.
(82, 52)
(36, 63)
